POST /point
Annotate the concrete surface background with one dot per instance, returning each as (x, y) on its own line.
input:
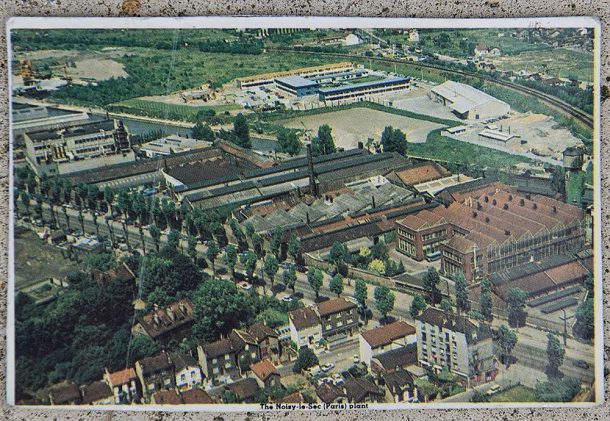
(389, 8)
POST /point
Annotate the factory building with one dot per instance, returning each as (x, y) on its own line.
(73, 148)
(489, 228)
(269, 78)
(171, 145)
(297, 85)
(360, 90)
(467, 102)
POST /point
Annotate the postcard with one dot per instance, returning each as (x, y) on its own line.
(260, 214)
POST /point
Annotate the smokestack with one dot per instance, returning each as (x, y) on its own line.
(313, 187)
(373, 201)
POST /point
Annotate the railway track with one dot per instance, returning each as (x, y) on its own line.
(563, 106)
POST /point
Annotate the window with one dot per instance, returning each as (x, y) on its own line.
(227, 357)
(216, 370)
(182, 377)
(215, 360)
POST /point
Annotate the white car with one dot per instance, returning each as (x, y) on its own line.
(245, 286)
(327, 367)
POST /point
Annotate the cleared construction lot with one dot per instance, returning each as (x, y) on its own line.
(358, 124)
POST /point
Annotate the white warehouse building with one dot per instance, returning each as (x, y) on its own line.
(467, 102)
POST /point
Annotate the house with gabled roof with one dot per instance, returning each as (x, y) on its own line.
(385, 338)
(266, 374)
(124, 385)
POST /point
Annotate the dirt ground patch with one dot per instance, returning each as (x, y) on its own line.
(358, 124)
(98, 69)
(36, 260)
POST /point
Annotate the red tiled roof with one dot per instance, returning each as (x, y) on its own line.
(165, 320)
(166, 397)
(335, 306)
(385, 335)
(95, 392)
(304, 318)
(121, 377)
(263, 369)
(567, 273)
(196, 396)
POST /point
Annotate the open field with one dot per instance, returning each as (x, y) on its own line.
(98, 69)
(164, 110)
(37, 259)
(514, 394)
(357, 124)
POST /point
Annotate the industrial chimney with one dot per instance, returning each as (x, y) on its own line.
(313, 187)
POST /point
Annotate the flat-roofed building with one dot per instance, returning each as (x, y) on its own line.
(365, 89)
(467, 102)
(297, 85)
(268, 78)
(171, 145)
(73, 148)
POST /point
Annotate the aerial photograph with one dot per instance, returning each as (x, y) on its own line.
(297, 218)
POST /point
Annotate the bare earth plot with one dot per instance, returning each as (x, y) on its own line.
(358, 124)
(98, 69)
(37, 260)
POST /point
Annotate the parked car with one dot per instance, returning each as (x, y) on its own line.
(288, 299)
(495, 388)
(327, 367)
(581, 364)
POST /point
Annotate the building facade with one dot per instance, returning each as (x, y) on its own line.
(457, 344)
(392, 336)
(338, 318)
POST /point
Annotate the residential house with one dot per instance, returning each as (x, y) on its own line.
(329, 393)
(295, 397)
(384, 338)
(266, 375)
(165, 324)
(122, 272)
(155, 374)
(456, 343)
(267, 340)
(395, 359)
(338, 318)
(189, 397)
(188, 372)
(305, 328)
(97, 393)
(65, 394)
(227, 358)
(244, 390)
(400, 387)
(360, 390)
(123, 384)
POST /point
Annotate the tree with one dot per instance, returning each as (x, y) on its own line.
(25, 200)
(288, 142)
(229, 397)
(585, 318)
(257, 245)
(555, 353)
(294, 247)
(212, 253)
(323, 144)
(360, 292)
(155, 233)
(173, 239)
(380, 251)
(218, 308)
(384, 300)
(241, 131)
(275, 242)
(336, 284)
(270, 267)
(315, 277)
(426, 388)
(486, 305)
(169, 272)
(506, 340)
(393, 140)
(230, 258)
(203, 132)
(289, 277)
(515, 299)
(338, 254)
(478, 397)
(446, 306)
(377, 266)
(462, 305)
(430, 285)
(557, 390)
(249, 261)
(306, 359)
(417, 306)
(108, 198)
(192, 247)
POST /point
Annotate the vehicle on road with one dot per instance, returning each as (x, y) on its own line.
(288, 299)
(581, 364)
(327, 367)
(495, 388)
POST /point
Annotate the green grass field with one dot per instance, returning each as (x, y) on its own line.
(169, 111)
(517, 393)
